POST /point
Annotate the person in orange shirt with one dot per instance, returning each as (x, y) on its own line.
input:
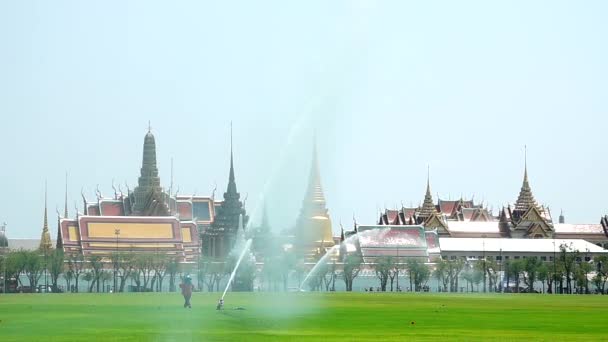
(187, 289)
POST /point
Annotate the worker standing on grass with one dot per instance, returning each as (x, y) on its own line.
(187, 288)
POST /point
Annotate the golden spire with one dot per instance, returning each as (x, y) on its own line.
(428, 207)
(315, 191)
(525, 200)
(314, 223)
(45, 238)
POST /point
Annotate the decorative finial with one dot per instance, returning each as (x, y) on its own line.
(149, 127)
(230, 137)
(526, 157)
(114, 188)
(65, 211)
(171, 184)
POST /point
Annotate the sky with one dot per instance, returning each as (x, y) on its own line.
(388, 88)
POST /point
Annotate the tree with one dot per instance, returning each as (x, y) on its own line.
(602, 269)
(34, 266)
(419, 273)
(317, 278)
(441, 273)
(350, 270)
(394, 271)
(56, 266)
(516, 267)
(76, 267)
(477, 277)
(96, 267)
(104, 277)
(143, 270)
(15, 265)
(582, 277)
(216, 271)
(567, 257)
(124, 266)
(159, 265)
(202, 265)
(88, 277)
(531, 266)
(543, 275)
(455, 267)
(383, 267)
(172, 269)
(467, 275)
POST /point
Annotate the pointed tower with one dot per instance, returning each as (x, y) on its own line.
(262, 236)
(59, 240)
(45, 239)
(265, 224)
(428, 208)
(313, 227)
(65, 209)
(528, 219)
(148, 199)
(222, 233)
(562, 219)
(525, 200)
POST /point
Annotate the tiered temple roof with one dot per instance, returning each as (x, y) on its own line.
(313, 227)
(147, 219)
(220, 238)
(428, 208)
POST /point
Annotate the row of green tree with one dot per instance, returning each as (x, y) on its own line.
(568, 273)
(147, 271)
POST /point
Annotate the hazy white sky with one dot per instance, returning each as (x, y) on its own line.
(389, 86)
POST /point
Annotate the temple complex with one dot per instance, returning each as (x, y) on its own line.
(313, 230)
(461, 218)
(147, 219)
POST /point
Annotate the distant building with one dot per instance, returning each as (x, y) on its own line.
(313, 229)
(219, 239)
(147, 219)
(461, 218)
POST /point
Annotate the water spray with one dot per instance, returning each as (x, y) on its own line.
(243, 252)
(240, 241)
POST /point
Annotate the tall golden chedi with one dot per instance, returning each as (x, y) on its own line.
(313, 232)
(46, 245)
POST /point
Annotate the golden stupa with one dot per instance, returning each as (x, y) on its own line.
(313, 229)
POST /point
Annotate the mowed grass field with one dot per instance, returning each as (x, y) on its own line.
(303, 317)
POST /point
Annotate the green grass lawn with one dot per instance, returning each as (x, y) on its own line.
(303, 316)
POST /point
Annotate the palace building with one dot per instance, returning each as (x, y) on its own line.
(147, 219)
(525, 219)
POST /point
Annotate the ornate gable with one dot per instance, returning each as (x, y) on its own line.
(435, 222)
(538, 231)
(480, 215)
(532, 215)
(533, 224)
